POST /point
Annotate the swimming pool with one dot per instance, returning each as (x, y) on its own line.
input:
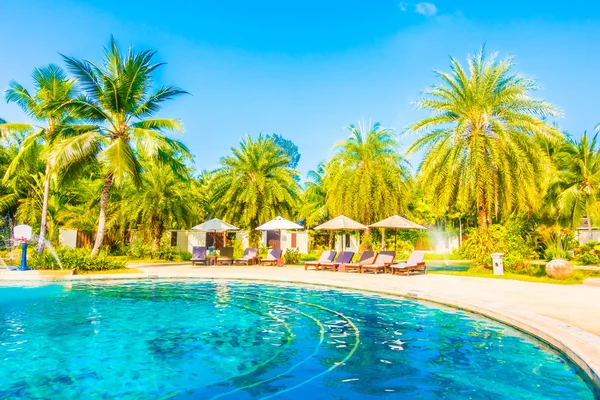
(240, 340)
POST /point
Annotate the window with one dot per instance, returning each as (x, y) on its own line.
(347, 241)
(174, 239)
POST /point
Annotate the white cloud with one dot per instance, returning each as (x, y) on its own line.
(403, 6)
(427, 9)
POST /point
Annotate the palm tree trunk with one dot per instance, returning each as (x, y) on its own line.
(482, 218)
(589, 226)
(46, 199)
(157, 233)
(102, 218)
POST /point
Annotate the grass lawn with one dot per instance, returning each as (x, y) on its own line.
(577, 278)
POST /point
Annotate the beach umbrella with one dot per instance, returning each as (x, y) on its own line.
(341, 223)
(215, 225)
(279, 224)
(397, 222)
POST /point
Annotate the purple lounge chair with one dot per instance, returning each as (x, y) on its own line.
(326, 256)
(343, 258)
(249, 257)
(382, 261)
(198, 255)
(367, 257)
(272, 258)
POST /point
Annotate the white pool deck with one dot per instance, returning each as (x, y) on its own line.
(566, 316)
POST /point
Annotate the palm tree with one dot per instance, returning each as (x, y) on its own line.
(479, 141)
(255, 184)
(577, 185)
(52, 87)
(119, 98)
(314, 207)
(165, 200)
(367, 179)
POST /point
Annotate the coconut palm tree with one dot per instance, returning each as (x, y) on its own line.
(479, 141)
(164, 201)
(120, 100)
(255, 184)
(52, 88)
(314, 207)
(577, 185)
(367, 179)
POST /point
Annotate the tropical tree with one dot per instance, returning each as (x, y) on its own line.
(480, 140)
(577, 185)
(164, 201)
(255, 184)
(119, 98)
(367, 179)
(52, 88)
(314, 206)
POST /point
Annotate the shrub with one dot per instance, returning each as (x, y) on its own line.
(138, 250)
(313, 256)
(291, 256)
(78, 260)
(185, 255)
(508, 239)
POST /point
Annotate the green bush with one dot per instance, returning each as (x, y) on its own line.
(185, 256)
(508, 239)
(291, 256)
(588, 253)
(138, 250)
(75, 259)
(313, 256)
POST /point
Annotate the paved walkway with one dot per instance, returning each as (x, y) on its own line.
(567, 316)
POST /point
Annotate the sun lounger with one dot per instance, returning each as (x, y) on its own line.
(326, 256)
(343, 258)
(414, 263)
(226, 256)
(383, 259)
(272, 258)
(249, 257)
(367, 257)
(198, 255)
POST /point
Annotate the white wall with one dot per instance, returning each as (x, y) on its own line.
(67, 238)
(285, 240)
(244, 238)
(195, 238)
(354, 242)
(583, 236)
(186, 240)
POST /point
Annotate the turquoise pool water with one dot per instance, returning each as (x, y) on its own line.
(225, 339)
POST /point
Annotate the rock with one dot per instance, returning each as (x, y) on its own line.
(559, 268)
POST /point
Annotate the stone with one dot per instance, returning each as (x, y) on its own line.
(559, 268)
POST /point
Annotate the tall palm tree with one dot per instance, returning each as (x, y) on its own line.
(314, 206)
(164, 201)
(577, 185)
(479, 141)
(367, 179)
(255, 184)
(52, 88)
(119, 98)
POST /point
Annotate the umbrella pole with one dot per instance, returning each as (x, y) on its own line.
(395, 240)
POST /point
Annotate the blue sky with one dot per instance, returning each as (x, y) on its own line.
(305, 69)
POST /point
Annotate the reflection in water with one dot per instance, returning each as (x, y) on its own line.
(223, 339)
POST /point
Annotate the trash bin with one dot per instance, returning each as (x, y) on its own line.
(498, 263)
